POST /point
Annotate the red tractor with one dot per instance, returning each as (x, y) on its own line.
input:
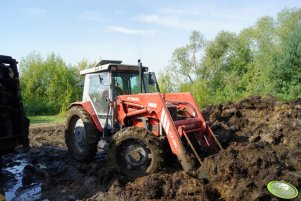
(123, 111)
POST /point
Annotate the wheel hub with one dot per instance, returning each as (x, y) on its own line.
(135, 155)
(79, 135)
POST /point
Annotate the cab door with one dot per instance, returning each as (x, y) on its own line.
(97, 92)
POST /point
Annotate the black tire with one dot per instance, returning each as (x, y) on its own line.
(81, 134)
(130, 142)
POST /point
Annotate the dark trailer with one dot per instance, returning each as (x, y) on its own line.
(13, 123)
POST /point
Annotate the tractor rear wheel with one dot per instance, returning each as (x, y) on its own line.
(81, 134)
(136, 152)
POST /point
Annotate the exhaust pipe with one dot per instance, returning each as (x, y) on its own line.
(140, 74)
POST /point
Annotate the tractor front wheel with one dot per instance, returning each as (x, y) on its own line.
(81, 135)
(136, 152)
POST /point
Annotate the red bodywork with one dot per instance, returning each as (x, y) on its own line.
(88, 107)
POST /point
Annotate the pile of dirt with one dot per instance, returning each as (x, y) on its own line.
(257, 119)
(262, 141)
(160, 186)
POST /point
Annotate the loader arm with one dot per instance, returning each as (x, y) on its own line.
(153, 111)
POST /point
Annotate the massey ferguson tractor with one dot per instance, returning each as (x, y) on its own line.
(123, 112)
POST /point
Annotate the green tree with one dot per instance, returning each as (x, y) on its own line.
(79, 79)
(47, 85)
(287, 72)
(186, 60)
(263, 43)
(256, 61)
(287, 20)
(31, 84)
(167, 82)
(216, 57)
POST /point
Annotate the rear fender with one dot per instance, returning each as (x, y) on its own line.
(88, 107)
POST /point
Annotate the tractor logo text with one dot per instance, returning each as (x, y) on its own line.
(135, 99)
(165, 124)
(173, 139)
(154, 105)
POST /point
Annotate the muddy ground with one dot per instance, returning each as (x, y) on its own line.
(262, 141)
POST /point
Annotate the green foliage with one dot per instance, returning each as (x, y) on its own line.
(167, 82)
(264, 59)
(185, 65)
(48, 86)
(287, 72)
(185, 60)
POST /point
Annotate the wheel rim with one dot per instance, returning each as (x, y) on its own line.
(134, 157)
(79, 135)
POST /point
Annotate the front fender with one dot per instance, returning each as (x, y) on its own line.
(88, 107)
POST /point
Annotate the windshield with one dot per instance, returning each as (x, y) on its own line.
(129, 83)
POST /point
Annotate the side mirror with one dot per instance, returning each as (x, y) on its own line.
(150, 79)
(100, 78)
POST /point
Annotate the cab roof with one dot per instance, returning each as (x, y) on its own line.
(111, 65)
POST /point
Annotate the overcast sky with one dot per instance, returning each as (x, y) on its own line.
(122, 30)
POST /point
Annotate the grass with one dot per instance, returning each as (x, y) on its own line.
(47, 119)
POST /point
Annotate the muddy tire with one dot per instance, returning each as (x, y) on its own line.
(136, 152)
(81, 135)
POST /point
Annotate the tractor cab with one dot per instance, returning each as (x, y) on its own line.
(109, 79)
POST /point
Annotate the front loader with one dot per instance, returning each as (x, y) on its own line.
(124, 113)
